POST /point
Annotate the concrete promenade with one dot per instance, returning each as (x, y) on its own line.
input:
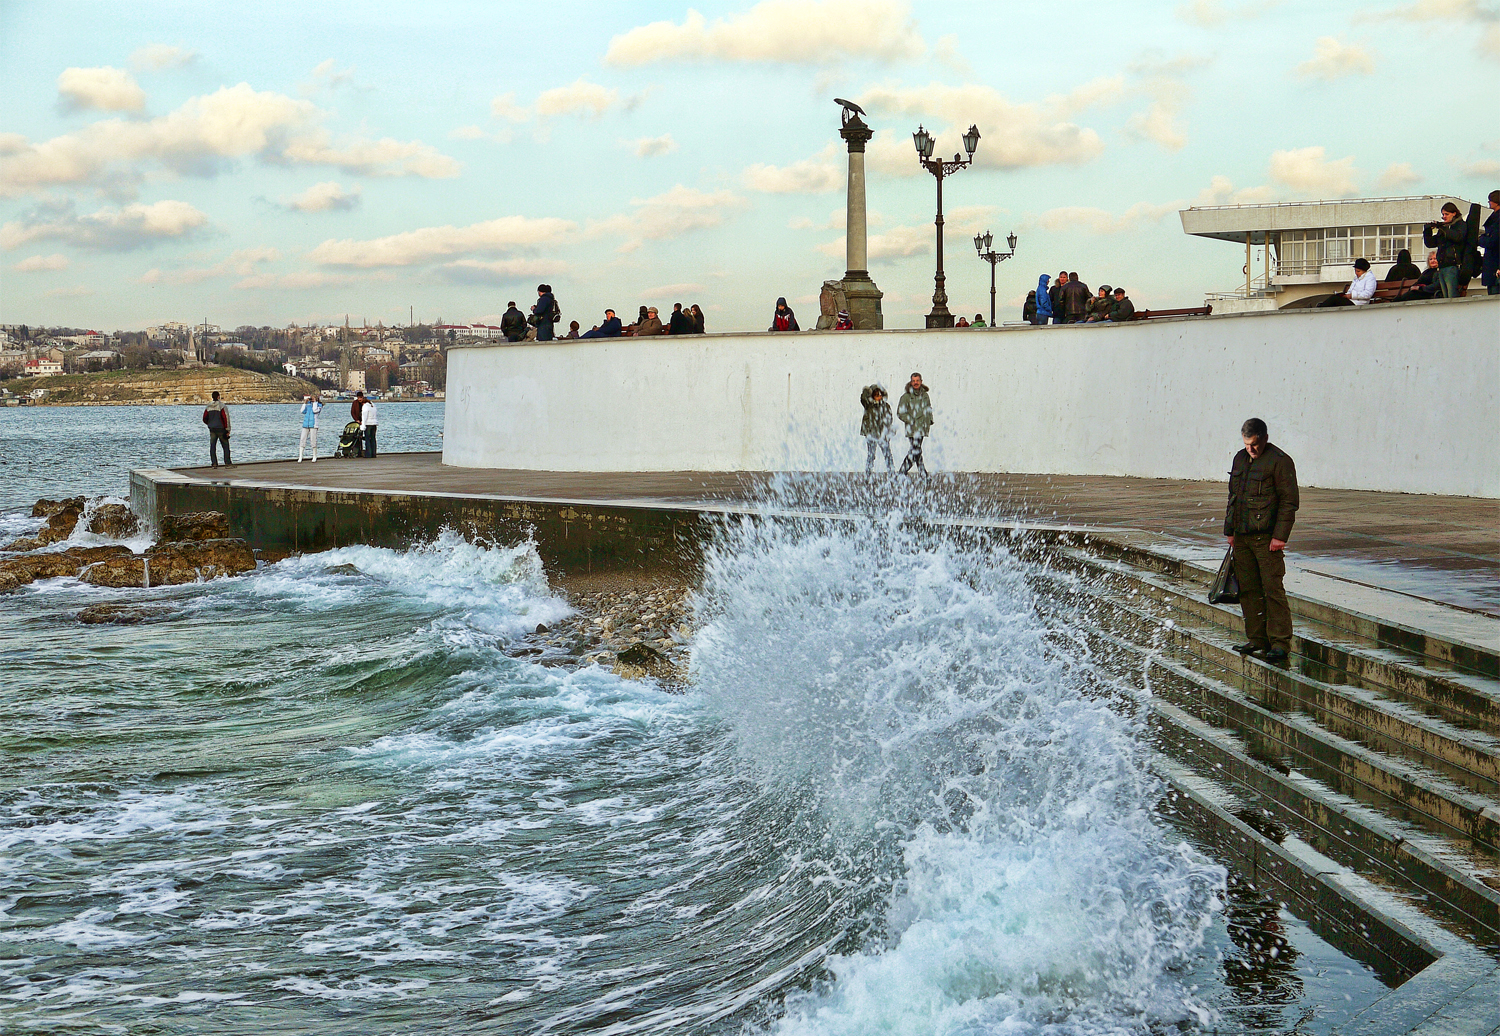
(1428, 562)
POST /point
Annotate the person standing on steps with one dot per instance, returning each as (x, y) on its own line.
(876, 427)
(1258, 521)
(367, 418)
(915, 411)
(217, 418)
(311, 408)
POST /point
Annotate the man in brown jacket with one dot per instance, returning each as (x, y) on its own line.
(1258, 522)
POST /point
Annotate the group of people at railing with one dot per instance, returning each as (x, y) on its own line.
(1460, 252)
(1069, 301)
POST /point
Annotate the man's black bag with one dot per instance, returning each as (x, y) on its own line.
(1226, 588)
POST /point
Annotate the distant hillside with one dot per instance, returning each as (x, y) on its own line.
(159, 386)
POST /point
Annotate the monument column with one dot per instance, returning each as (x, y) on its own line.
(860, 293)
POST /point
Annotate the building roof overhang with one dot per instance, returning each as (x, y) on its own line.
(1259, 222)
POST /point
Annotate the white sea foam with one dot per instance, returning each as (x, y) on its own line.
(906, 688)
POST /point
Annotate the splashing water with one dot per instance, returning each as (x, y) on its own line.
(903, 689)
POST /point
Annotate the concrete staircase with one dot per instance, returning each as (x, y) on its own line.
(1360, 784)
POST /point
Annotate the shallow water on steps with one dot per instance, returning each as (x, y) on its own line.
(311, 800)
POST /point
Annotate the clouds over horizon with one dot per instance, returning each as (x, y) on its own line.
(109, 229)
(106, 89)
(201, 138)
(814, 32)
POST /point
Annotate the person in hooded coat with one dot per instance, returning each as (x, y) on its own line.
(1028, 309)
(915, 411)
(876, 427)
(784, 319)
(545, 313)
(1043, 300)
(1404, 269)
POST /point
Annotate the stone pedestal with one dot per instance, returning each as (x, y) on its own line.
(863, 298)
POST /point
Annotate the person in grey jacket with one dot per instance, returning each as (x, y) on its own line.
(876, 427)
(915, 411)
(1263, 502)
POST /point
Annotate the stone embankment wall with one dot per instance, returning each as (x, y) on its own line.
(161, 387)
(1397, 397)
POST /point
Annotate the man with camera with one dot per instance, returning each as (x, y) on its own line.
(1448, 235)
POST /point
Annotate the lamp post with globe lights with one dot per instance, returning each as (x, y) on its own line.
(982, 244)
(940, 317)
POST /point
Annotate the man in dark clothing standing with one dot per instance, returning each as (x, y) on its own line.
(915, 411)
(513, 323)
(1448, 236)
(1075, 299)
(545, 313)
(1122, 309)
(1258, 521)
(217, 418)
(1055, 293)
(1489, 240)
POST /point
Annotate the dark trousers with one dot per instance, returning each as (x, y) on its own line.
(369, 440)
(1334, 301)
(914, 455)
(1260, 570)
(214, 439)
(544, 331)
(1447, 278)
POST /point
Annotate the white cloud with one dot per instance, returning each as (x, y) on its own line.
(835, 221)
(893, 244)
(326, 75)
(1482, 169)
(161, 55)
(503, 271)
(1212, 13)
(200, 137)
(669, 290)
(1011, 135)
(809, 176)
(646, 147)
(1307, 171)
(1221, 191)
(667, 215)
(241, 262)
(505, 107)
(1484, 16)
(811, 32)
(42, 263)
(1398, 175)
(324, 197)
(1333, 59)
(578, 98)
(109, 229)
(108, 89)
(1100, 221)
(945, 52)
(469, 133)
(506, 234)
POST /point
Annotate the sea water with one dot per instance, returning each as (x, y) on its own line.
(322, 797)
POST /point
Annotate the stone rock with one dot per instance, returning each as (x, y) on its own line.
(342, 570)
(47, 508)
(26, 543)
(115, 521)
(830, 301)
(1262, 822)
(169, 564)
(197, 525)
(643, 655)
(18, 571)
(123, 614)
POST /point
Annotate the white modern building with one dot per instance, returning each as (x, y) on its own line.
(1308, 248)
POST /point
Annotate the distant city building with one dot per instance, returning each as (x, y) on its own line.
(1309, 248)
(43, 365)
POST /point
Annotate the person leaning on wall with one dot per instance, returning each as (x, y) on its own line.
(1258, 519)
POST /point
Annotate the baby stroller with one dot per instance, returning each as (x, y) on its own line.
(351, 442)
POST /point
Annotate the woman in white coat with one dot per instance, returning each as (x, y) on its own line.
(311, 408)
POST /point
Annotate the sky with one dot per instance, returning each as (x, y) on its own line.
(299, 163)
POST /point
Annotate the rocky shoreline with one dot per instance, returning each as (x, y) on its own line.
(637, 624)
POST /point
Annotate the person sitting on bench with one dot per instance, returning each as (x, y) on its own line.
(1361, 289)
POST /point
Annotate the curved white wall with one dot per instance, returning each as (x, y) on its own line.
(1395, 397)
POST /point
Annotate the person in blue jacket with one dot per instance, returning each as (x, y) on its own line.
(609, 329)
(311, 408)
(1043, 300)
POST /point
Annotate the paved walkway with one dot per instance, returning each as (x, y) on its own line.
(1442, 550)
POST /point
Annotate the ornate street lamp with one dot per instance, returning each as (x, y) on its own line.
(982, 244)
(940, 317)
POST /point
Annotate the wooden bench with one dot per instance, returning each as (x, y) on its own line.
(1148, 314)
(1385, 291)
